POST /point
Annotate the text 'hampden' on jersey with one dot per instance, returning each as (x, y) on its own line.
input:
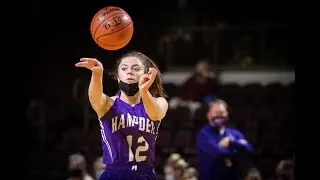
(128, 135)
(128, 120)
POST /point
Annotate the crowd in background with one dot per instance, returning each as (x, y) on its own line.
(260, 112)
(63, 133)
(175, 168)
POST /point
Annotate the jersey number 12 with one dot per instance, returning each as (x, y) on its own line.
(136, 156)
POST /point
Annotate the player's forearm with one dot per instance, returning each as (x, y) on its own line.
(220, 152)
(211, 148)
(215, 151)
(152, 108)
(95, 90)
(242, 145)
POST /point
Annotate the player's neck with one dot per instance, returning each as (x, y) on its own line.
(131, 100)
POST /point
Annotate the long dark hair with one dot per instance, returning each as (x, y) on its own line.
(156, 88)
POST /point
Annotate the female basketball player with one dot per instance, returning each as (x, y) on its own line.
(129, 120)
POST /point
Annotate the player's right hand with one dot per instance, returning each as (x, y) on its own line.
(90, 63)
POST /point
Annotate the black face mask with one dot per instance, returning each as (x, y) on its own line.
(129, 89)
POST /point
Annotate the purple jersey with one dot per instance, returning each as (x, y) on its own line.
(128, 134)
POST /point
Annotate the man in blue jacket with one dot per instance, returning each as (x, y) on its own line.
(217, 145)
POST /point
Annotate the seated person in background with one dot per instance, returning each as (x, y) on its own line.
(98, 167)
(191, 173)
(285, 170)
(175, 170)
(201, 83)
(168, 170)
(78, 165)
(200, 88)
(253, 174)
(174, 157)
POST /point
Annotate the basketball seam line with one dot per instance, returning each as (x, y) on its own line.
(114, 31)
(99, 42)
(95, 16)
(103, 23)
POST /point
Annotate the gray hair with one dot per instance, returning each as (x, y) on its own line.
(218, 101)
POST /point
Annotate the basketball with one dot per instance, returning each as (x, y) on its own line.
(111, 28)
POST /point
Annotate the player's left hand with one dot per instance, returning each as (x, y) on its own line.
(146, 80)
(225, 142)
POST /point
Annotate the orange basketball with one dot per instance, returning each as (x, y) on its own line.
(111, 28)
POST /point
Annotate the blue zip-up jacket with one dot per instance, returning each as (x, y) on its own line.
(214, 162)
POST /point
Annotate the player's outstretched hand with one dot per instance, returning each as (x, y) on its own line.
(90, 63)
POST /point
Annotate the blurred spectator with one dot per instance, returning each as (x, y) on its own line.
(201, 83)
(168, 167)
(175, 170)
(200, 88)
(78, 165)
(218, 145)
(285, 170)
(98, 167)
(191, 173)
(173, 158)
(253, 174)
